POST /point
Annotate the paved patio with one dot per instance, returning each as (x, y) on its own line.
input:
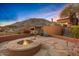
(50, 47)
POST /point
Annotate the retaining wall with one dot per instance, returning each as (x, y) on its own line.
(11, 37)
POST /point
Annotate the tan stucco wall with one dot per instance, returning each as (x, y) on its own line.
(52, 29)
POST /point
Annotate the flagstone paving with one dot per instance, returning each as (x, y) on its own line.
(50, 47)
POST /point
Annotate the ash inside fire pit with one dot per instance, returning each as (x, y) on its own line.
(24, 42)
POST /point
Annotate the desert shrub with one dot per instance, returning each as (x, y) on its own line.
(57, 24)
(74, 31)
(18, 32)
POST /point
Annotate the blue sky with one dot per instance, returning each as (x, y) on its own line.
(11, 13)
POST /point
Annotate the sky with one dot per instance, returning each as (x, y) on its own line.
(15, 12)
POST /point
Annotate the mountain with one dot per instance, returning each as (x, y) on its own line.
(27, 23)
(32, 22)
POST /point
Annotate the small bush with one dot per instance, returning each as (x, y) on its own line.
(74, 31)
(57, 24)
(18, 32)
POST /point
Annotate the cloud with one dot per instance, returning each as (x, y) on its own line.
(47, 15)
(47, 12)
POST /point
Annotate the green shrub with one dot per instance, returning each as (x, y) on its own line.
(74, 31)
(18, 32)
(55, 23)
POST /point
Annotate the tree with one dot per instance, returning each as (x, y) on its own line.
(65, 12)
(73, 18)
(70, 12)
(68, 9)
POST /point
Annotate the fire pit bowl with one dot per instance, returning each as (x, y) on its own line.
(23, 47)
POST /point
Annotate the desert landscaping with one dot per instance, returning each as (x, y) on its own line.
(41, 37)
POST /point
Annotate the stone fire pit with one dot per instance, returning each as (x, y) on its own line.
(23, 47)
